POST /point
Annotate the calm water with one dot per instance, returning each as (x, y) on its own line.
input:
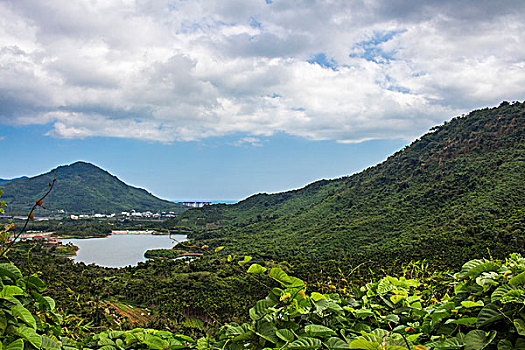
(119, 250)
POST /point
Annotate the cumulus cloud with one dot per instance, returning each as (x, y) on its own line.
(186, 70)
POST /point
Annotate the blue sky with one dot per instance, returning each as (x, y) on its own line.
(218, 100)
(213, 169)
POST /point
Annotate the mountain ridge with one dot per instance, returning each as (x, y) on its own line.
(82, 187)
(4, 181)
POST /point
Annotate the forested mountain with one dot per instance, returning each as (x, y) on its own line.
(82, 187)
(456, 191)
(4, 181)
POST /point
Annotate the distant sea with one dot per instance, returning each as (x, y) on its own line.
(212, 202)
(224, 202)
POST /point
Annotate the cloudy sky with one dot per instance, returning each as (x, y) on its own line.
(199, 99)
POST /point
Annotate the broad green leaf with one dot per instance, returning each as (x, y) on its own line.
(416, 305)
(414, 337)
(49, 302)
(507, 294)
(246, 260)
(10, 271)
(266, 330)
(466, 321)
(233, 329)
(24, 314)
(107, 347)
(260, 309)
(362, 313)
(305, 343)
(377, 334)
(315, 330)
(295, 283)
(360, 343)
(245, 336)
(154, 342)
(317, 296)
(447, 343)
(3, 322)
(396, 298)
(105, 341)
(390, 318)
(518, 280)
(505, 344)
(520, 326)
(413, 298)
(16, 345)
(335, 343)
(49, 344)
(36, 283)
(385, 286)
(183, 338)
(475, 267)
(478, 339)
(9, 291)
(238, 333)
(362, 327)
(488, 314)
(279, 275)
(500, 291)
(256, 268)
(335, 307)
(286, 335)
(469, 304)
(30, 335)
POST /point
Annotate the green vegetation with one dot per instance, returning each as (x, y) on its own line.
(84, 228)
(169, 254)
(82, 188)
(48, 249)
(4, 181)
(94, 227)
(449, 195)
(481, 306)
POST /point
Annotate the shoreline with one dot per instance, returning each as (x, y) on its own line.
(138, 232)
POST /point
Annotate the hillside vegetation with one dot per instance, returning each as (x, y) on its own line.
(82, 188)
(4, 181)
(454, 192)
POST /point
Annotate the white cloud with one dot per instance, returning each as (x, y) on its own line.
(187, 70)
(248, 141)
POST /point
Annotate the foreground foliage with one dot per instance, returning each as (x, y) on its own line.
(481, 306)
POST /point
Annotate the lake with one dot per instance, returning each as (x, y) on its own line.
(119, 250)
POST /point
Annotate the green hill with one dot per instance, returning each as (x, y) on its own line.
(4, 181)
(456, 191)
(81, 188)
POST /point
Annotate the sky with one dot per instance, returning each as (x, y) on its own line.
(219, 100)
